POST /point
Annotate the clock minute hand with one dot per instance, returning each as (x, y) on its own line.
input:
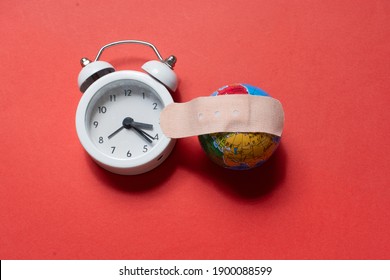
(145, 135)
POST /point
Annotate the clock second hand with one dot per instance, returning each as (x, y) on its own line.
(129, 123)
(115, 132)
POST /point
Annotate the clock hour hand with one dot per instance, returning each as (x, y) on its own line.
(142, 125)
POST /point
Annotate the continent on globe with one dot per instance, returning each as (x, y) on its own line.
(239, 150)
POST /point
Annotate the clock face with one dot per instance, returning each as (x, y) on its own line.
(118, 122)
(122, 119)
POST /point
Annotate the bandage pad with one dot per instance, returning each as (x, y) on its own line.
(225, 113)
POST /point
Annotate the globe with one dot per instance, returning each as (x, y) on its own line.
(239, 150)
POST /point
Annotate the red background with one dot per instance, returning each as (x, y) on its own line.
(325, 194)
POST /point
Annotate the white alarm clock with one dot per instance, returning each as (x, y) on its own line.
(118, 117)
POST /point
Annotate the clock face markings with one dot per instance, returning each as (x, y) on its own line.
(123, 119)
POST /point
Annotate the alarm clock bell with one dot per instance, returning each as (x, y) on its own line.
(161, 70)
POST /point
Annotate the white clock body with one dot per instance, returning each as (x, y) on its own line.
(105, 105)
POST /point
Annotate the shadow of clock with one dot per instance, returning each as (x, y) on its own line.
(249, 185)
(252, 184)
(134, 183)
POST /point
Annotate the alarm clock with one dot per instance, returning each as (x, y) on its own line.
(118, 116)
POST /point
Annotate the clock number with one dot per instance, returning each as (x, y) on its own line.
(143, 95)
(102, 109)
(156, 137)
(113, 98)
(145, 148)
(95, 124)
(154, 106)
(129, 153)
(113, 149)
(101, 140)
(127, 92)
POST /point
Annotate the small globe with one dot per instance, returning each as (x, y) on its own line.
(238, 150)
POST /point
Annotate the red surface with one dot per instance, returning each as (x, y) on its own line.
(325, 194)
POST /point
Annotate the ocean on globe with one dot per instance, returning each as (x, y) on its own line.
(238, 150)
